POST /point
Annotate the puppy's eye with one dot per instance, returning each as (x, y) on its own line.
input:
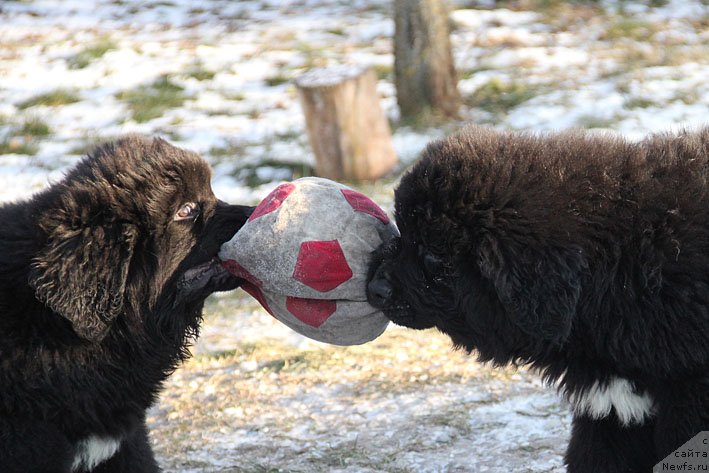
(433, 265)
(189, 211)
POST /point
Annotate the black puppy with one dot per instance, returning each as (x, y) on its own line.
(585, 256)
(102, 281)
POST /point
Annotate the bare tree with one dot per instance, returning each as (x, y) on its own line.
(424, 71)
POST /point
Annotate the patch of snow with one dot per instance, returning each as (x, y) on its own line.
(476, 19)
(543, 57)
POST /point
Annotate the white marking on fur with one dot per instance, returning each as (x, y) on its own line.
(93, 450)
(619, 393)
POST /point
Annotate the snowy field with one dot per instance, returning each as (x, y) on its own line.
(217, 77)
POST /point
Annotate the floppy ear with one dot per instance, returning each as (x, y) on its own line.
(539, 287)
(81, 275)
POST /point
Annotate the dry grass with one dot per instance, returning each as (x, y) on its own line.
(91, 53)
(297, 394)
(152, 100)
(54, 98)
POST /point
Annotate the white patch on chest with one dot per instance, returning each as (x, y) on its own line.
(93, 450)
(597, 401)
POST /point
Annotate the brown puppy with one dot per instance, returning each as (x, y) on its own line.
(102, 281)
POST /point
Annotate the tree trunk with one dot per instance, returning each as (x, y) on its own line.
(425, 76)
(347, 128)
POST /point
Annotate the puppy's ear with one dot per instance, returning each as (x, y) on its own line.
(81, 275)
(539, 287)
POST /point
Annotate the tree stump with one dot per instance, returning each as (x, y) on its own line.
(347, 128)
(424, 72)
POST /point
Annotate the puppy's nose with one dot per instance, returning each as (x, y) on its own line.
(379, 292)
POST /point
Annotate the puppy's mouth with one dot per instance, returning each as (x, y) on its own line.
(383, 293)
(402, 314)
(397, 310)
(204, 279)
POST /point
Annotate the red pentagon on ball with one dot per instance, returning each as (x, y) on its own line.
(257, 294)
(272, 200)
(240, 272)
(313, 312)
(321, 265)
(362, 203)
(252, 285)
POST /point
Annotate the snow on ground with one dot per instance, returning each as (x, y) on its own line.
(262, 398)
(257, 397)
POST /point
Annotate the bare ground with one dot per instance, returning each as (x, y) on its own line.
(258, 398)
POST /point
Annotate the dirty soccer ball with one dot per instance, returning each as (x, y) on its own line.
(305, 252)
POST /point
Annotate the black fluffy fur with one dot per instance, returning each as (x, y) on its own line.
(583, 255)
(101, 291)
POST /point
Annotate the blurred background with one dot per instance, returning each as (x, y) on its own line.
(221, 78)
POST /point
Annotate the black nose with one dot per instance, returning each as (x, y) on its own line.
(227, 220)
(379, 292)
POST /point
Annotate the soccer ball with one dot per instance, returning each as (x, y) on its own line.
(305, 253)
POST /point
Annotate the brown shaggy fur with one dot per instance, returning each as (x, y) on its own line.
(102, 281)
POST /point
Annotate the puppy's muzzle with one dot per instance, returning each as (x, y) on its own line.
(379, 291)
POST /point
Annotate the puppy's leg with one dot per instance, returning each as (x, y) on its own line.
(26, 447)
(134, 456)
(605, 445)
(683, 412)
